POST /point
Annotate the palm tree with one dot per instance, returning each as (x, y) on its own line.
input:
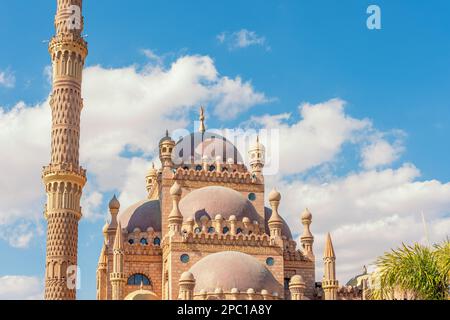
(422, 271)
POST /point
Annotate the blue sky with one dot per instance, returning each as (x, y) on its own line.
(306, 51)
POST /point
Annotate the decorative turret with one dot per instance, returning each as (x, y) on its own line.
(166, 146)
(297, 287)
(118, 278)
(329, 284)
(102, 278)
(63, 178)
(114, 206)
(275, 222)
(187, 284)
(257, 154)
(151, 179)
(307, 239)
(175, 218)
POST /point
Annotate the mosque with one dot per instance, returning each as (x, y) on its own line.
(203, 232)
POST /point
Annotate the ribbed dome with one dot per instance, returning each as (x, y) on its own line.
(214, 200)
(230, 269)
(143, 215)
(197, 145)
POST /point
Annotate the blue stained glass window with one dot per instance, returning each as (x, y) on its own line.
(225, 230)
(211, 230)
(270, 261)
(157, 241)
(131, 241)
(137, 279)
(144, 241)
(184, 258)
(252, 196)
(239, 230)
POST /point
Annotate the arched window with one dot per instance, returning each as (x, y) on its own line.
(157, 241)
(137, 279)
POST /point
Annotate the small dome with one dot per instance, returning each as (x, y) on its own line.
(306, 215)
(153, 171)
(142, 294)
(232, 270)
(296, 280)
(187, 276)
(142, 215)
(175, 190)
(166, 138)
(211, 146)
(214, 200)
(274, 195)
(114, 204)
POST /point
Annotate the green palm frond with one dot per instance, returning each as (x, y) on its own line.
(419, 270)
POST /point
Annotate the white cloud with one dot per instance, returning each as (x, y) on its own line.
(21, 288)
(7, 79)
(317, 138)
(235, 97)
(151, 99)
(381, 152)
(242, 39)
(368, 212)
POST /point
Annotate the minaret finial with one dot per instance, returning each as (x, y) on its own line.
(202, 120)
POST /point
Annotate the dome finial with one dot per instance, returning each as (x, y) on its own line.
(114, 204)
(202, 120)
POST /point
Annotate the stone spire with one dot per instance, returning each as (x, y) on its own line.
(63, 178)
(102, 279)
(330, 284)
(118, 276)
(307, 239)
(275, 222)
(202, 118)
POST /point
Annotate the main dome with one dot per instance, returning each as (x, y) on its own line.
(233, 270)
(214, 200)
(143, 215)
(194, 147)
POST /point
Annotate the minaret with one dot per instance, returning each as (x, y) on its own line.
(118, 276)
(257, 154)
(307, 239)
(330, 284)
(275, 222)
(63, 178)
(175, 218)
